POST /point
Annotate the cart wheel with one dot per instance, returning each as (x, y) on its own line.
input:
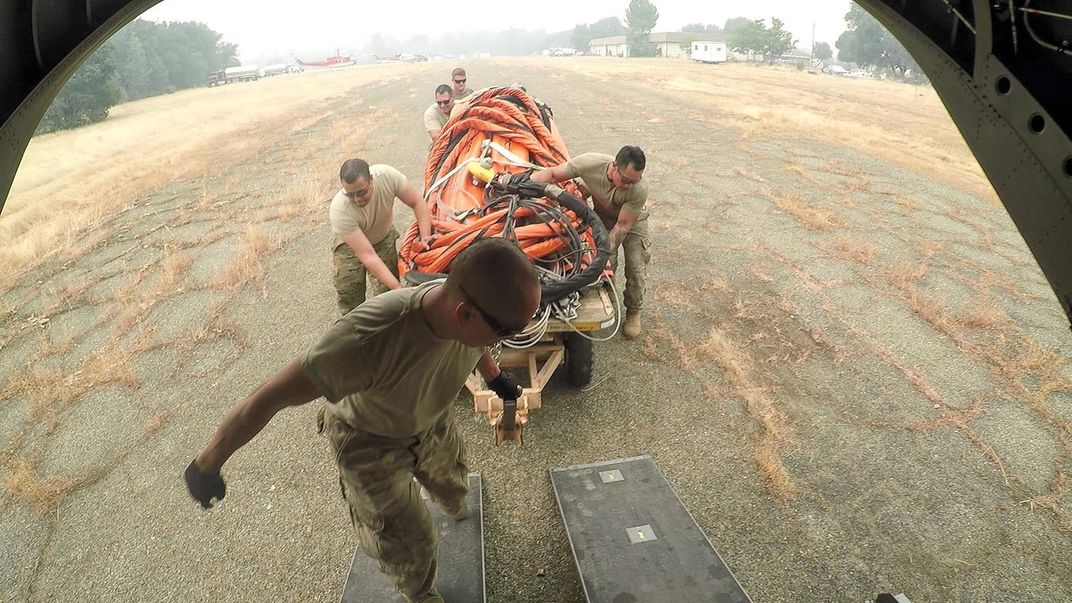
(578, 360)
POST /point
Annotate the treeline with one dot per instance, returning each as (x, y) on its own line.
(141, 60)
(507, 42)
(867, 43)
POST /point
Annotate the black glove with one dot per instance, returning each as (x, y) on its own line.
(522, 184)
(204, 486)
(505, 387)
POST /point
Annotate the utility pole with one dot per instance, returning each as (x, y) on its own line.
(811, 61)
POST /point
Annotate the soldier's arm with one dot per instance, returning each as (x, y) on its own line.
(551, 175)
(290, 386)
(489, 369)
(412, 198)
(626, 220)
(367, 255)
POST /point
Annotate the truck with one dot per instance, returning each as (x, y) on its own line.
(241, 73)
(708, 52)
(277, 69)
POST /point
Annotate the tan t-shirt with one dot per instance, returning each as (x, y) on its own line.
(382, 368)
(464, 94)
(375, 219)
(434, 119)
(591, 168)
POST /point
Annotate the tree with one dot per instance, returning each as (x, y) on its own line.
(87, 96)
(580, 39)
(756, 38)
(749, 38)
(778, 40)
(701, 28)
(583, 34)
(640, 18)
(732, 25)
(156, 58)
(867, 43)
(823, 52)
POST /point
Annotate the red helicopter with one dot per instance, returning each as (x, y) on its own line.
(328, 63)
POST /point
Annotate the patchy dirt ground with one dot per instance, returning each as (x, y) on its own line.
(853, 374)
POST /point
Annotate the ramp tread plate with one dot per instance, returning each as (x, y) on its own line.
(460, 575)
(633, 539)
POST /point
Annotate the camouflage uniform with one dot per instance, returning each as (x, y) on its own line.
(350, 273)
(637, 249)
(375, 221)
(389, 381)
(392, 523)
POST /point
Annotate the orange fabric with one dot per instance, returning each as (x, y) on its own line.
(489, 117)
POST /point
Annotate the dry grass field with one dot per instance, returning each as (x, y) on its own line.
(853, 373)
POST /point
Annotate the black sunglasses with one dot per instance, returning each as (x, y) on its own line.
(357, 194)
(496, 327)
(444, 103)
(461, 81)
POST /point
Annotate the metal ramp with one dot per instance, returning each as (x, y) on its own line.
(634, 541)
(460, 576)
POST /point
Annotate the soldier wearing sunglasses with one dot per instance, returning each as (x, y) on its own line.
(619, 193)
(362, 222)
(390, 370)
(437, 114)
(458, 79)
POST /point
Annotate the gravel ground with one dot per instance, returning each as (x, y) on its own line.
(853, 374)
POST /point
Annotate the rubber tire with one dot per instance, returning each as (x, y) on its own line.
(579, 360)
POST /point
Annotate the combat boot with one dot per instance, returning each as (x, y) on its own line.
(631, 329)
(461, 514)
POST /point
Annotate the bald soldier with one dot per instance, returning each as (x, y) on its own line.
(362, 224)
(618, 194)
(390, 370)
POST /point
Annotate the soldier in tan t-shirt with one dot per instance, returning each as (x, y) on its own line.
(618, 194)
(437, 114)
(390, 370)
(362, 216)
(458, 79)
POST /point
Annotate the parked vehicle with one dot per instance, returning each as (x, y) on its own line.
(242, 73)
(276, 69)
(835, 70)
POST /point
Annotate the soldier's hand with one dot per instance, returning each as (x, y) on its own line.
(204, 486)
(427, 242)
(519, 184)
(505, 387)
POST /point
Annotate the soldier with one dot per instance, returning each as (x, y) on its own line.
(437, 114)
(390, 370)
(361, 216)
(458, 79)
(618, 196)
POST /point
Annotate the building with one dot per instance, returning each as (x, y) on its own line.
(667, 44)
(613, 46)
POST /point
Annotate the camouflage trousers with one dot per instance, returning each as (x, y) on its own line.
(637, 248)
(393, 524)
(350, 273)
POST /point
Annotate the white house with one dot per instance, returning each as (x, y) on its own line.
(667, 44)
(706, 51)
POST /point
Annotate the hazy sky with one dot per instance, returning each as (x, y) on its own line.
(307, 25)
